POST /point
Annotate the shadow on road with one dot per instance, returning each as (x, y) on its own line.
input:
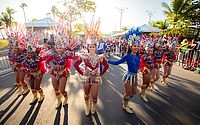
(65, 122)
(28, 114)
(8, 95)
(13, 110)
(34, 116)
(57, 118)
(96, 119)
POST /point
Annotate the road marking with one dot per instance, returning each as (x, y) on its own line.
(6, 74)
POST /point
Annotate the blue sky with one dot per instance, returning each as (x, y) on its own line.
(135, 15)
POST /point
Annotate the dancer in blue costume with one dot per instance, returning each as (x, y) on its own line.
(133, 61)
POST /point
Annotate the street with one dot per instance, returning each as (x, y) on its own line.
(175, 104)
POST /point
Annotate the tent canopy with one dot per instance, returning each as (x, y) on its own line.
(46, 22)
(146, 29)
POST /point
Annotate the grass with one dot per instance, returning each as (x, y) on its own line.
(3, 44)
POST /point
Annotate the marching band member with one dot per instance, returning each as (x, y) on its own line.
(132, 58)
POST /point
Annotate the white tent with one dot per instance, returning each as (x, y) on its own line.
(42, 24)
(46, 22)
(146, 29)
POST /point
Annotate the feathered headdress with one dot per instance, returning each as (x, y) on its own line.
(62, 39)
(32, 39)
(92, 32)
(132, 36)
(148, 44)
(15, 36)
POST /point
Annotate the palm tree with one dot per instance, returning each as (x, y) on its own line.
(124, 28)
(5, 18)
(1, 28)
(23, 5)
(177, 10)
(10, 11)
(160, 24)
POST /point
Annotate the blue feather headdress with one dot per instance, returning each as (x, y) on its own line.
(133, 35)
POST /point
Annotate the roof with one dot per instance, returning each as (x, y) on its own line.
(46, 22)
(119, 34)
(146, 28)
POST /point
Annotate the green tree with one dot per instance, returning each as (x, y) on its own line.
(5, 19)
(23, 5)
(6, 16)
(74, 9)
(124, 28)
(10, 12)
(160, 24)
(176, 11)
(78, 27)
(1, 27)
(34, 19)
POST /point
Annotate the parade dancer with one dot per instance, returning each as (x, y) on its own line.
(35, 67)
(16, 55)
(59, 63)
(129, 78)
(169, 58)
(158, 54)
(146, 67)
(90, 75)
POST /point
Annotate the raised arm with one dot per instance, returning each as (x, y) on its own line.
(123, 59)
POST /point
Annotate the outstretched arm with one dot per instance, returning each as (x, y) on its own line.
(123, 59)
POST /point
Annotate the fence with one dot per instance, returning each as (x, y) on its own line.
(4, 62)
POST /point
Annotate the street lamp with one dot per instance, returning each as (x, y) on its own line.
(121, 10)
(150, 14)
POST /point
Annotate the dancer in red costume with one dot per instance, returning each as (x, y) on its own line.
(146, 66)
(16, 55)
(169, 58)
(158, 54)
(59, 63)
(90, 74)
(35, 67)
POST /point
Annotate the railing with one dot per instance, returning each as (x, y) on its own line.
(4, 62)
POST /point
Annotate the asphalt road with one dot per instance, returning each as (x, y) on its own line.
(175, 104)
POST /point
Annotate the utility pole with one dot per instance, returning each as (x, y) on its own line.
(23, 5)
(121, 10)
(150, 14)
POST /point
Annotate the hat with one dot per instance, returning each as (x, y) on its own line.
(148, 44)
(132, 36)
